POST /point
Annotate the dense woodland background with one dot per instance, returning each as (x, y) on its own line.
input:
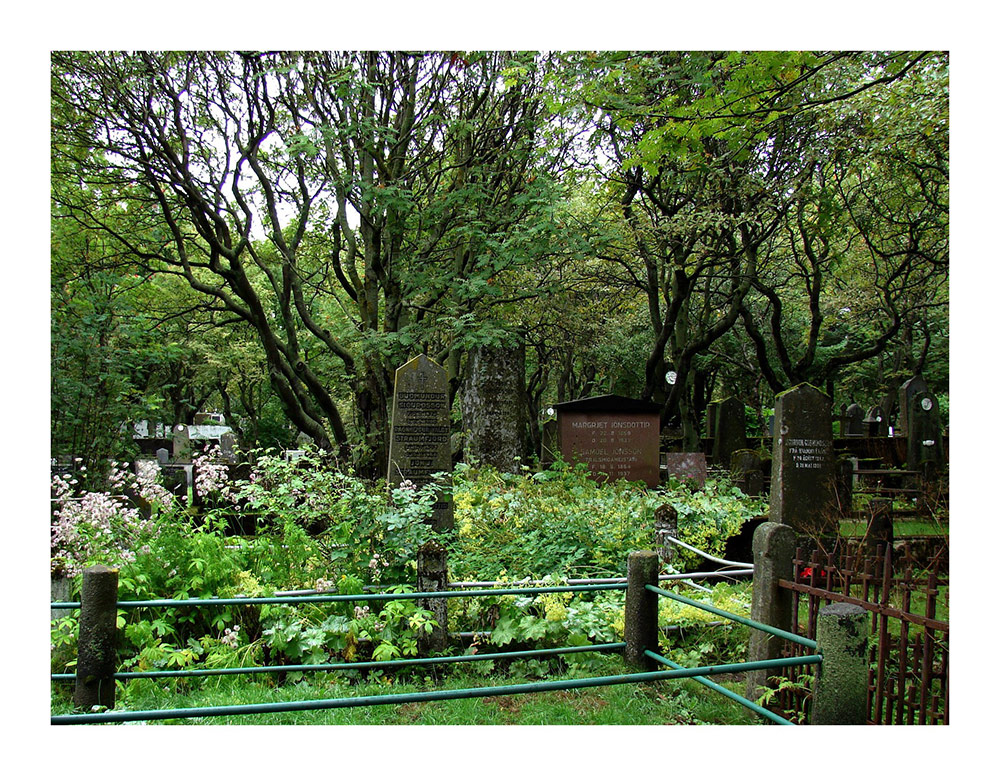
(271, 235)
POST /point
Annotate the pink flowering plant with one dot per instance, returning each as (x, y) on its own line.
(211, 473)
(101, 527)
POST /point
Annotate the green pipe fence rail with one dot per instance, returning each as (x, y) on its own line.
(324, 599)
(793, 637)
(420, 697)
(378, 664)
(776, 718)
(639, 647)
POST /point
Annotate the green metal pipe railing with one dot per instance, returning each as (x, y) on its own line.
(794, 637)
(377, 664)
(767, 713)
(322, 704)
(324, 599)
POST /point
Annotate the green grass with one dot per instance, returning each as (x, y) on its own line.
(900, 528)
(670, 702)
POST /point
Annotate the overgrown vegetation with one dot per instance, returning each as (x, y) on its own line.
(323, 529)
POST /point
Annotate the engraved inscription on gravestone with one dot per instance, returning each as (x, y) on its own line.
(617, 437)
(419, 441)
(802, 472)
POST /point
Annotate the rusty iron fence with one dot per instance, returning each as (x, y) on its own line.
(908, 644)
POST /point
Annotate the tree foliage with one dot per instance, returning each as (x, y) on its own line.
(275, 233)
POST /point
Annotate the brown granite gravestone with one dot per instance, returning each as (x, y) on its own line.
(802, 472)
(690, 467)
(617, 437)
(420, 436)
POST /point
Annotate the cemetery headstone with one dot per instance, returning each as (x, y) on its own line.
(494, 404)
(617, 437)
(879, 530)
(710, 417)
(747, 475)
(182, 443)
(874, 427)
(924, 451)
(420, 435)
(227, 446)
(177, 478)
(853, 424)
(907, 391)
(802, 471)
(730, 431)
(162, 456)
(692, 467)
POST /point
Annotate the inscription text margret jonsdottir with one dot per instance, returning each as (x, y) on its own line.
(612, 424)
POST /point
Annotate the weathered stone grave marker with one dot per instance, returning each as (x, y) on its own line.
(494, 407)
(874, 427)
(692, 467)
(907, 391)
(420, 436)
(924, 451)
(854, 419)
(730, 431)
(182, 443)
(227, 446)
(802, 472)
(746, 469)
(617, 437)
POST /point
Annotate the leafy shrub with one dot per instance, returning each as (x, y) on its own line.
(561, 521)
(322, 528)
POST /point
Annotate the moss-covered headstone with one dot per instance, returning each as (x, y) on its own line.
(494, 408)
(802, 472)
(420, 437)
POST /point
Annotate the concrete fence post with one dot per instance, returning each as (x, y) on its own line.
(773, 551)
(840, 696)
(97, 646)
(641, 609)
(432, 575)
